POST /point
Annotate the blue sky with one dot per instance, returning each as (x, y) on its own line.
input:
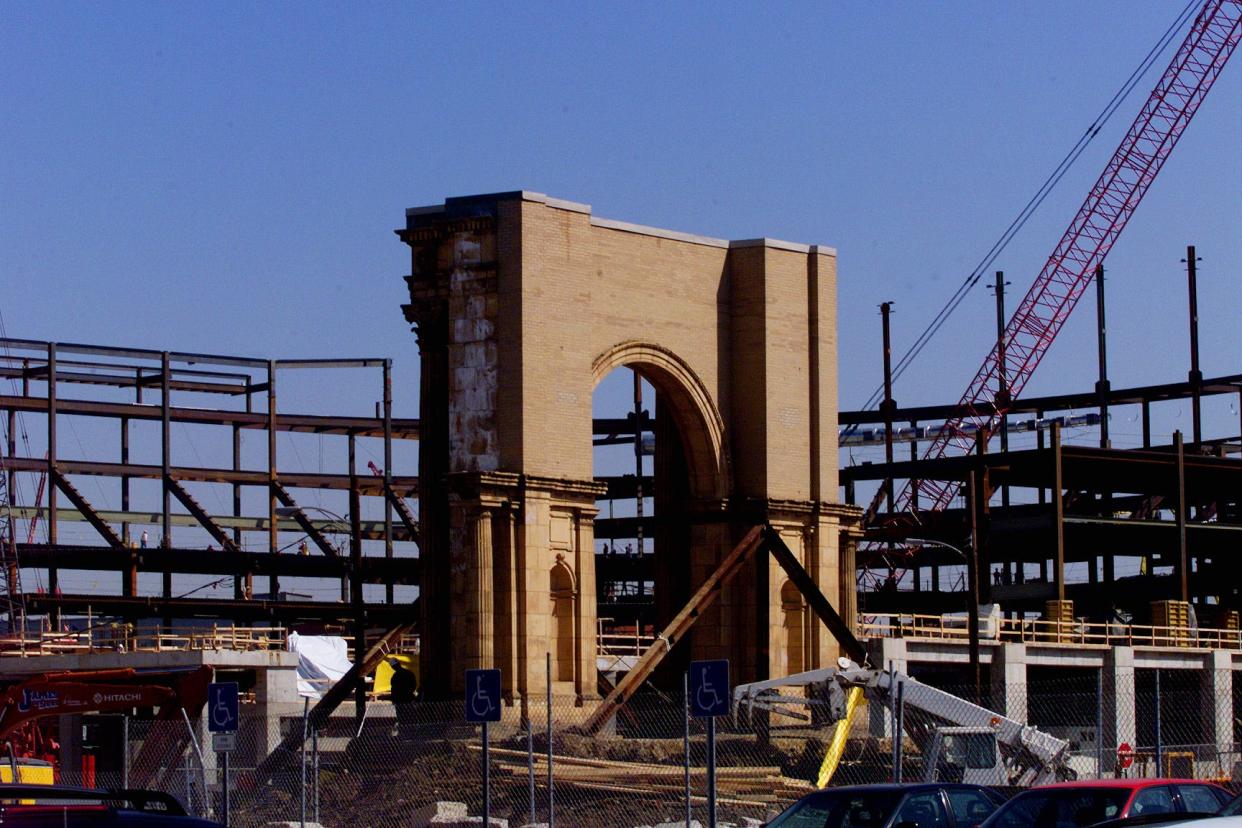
(225, 177)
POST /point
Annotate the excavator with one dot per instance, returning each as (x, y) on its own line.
(27, 702)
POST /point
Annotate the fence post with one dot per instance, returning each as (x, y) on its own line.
(685, 714)
(487, 780)
(1159, 735)
(315, 774)
(224, 799)
(1099, 725)
(202, 766)
(305, 722)
(530, 758)
(899, 730)
(711, 772)
(124, 751)
(551, 795)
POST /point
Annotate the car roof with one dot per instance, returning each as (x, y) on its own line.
(1128, 784)
(892, 787)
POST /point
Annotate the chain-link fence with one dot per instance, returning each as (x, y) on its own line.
(648, 765)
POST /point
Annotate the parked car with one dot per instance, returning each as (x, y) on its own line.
(1083, 803)
(1173, 821)
(923, 805)
(60, 806)
(1234, 808)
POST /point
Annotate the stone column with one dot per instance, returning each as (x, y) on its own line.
(508, 623)
(848, 602)
(1119, 693)
(588, 612)
(481, 594)
(1009, 686)
(1218, 705)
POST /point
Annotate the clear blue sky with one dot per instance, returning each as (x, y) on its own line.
(225, 176)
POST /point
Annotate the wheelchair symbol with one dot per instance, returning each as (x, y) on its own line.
(221, 714)
(480, 702)
(707, 697)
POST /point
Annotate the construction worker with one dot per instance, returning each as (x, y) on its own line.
(403, 687)
(144, 539)
(303, 549)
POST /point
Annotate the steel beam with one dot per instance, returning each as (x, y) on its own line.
(86, 509)
(200, 515)
(703, 598)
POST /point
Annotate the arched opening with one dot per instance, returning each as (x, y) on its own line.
(562, 614)
(794, 616)
(659, 449)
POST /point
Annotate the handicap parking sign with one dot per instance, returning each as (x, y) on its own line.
(482, 695)
(222, 707)
(709, 688)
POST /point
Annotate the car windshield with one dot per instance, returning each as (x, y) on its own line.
(1063, 808)
(839, 809)
(1233, 808)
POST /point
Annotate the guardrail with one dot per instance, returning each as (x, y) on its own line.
(1075, 633)
(121, 637)
(623, 644)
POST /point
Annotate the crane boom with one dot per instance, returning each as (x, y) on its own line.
(1099, 221)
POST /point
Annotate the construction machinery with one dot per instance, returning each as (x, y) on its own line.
(177, 694)
(959, 741)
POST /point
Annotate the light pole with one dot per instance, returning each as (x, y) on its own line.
(972, 610)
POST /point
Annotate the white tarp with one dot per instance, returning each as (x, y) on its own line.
(322, 660)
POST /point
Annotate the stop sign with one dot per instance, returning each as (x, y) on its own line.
(1125, 755)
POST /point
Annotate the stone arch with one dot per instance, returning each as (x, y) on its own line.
(522, 305)
(698, 419)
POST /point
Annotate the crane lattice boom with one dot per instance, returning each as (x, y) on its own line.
(1068, 272)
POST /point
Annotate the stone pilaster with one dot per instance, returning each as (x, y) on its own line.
(481, 600)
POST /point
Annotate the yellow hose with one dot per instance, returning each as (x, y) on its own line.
(840, 733)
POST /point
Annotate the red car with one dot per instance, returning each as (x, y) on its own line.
(1083, 803)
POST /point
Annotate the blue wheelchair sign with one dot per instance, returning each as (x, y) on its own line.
(709, 688)
(222, 707)
(482, 695)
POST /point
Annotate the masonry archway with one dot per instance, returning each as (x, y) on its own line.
(522, 304)
(646, 574)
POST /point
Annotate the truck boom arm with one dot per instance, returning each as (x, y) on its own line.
(1032, 757)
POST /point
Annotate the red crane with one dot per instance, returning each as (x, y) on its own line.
(1069, 270)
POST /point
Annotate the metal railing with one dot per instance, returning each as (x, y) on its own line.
(1075, 633)
(121, 637)
(623, 644)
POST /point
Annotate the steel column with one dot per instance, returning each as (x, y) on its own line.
(388, 588)
(1102, 386)
(1058, 511)
(1183, 553)
(1196, 376)
(273, 533)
